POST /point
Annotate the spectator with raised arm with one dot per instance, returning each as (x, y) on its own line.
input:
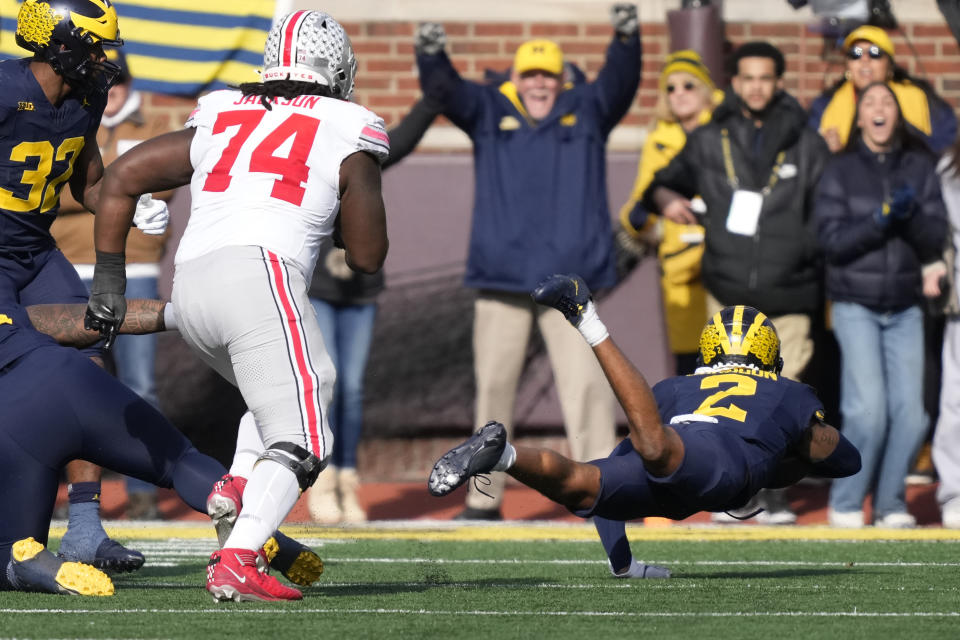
(540, 206)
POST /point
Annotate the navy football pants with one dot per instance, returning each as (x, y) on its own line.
(57, 406)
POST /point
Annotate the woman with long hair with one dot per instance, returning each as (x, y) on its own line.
(687, 98)
(880, 217)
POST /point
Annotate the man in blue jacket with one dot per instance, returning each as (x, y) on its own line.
(540, 207)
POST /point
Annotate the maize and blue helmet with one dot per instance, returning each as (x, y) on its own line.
(70, 36)
(740, 335)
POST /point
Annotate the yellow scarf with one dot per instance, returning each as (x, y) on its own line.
(839, 114)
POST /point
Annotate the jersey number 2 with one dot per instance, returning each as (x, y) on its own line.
(742, 386)
(292, 168)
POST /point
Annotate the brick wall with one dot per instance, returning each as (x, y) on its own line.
(387, 80)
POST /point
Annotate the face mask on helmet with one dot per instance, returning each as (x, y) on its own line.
(70, 36)
(310, 46)
(740, 335)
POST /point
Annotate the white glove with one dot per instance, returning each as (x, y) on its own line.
(151, 216)
(430, 38)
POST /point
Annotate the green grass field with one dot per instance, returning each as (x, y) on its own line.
(535, 582)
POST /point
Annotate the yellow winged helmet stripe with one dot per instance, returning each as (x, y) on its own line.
(104, 27)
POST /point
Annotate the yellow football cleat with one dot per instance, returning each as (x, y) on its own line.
(298, 563)
(36, 569)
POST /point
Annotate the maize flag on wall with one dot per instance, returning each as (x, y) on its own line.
(179, 47)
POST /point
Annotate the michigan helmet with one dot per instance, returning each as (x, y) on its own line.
(310, 46)
(740, 335)
(70, 36)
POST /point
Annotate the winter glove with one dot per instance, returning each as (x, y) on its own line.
(430, 38)
(107, 307)
(151, 216)
(624, 19)
(902, 202)
(569, 295)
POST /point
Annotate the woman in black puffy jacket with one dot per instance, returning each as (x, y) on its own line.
(880, 217)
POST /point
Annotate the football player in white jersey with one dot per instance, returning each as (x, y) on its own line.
(275, 168)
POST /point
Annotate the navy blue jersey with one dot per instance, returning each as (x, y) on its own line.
(760, 407)
(737, 425)
(17, 335)
(39, 144)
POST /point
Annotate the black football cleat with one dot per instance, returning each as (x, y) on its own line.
(478, 454)
(113, 557)
(568, 294)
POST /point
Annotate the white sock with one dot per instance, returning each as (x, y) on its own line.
(169, 317)
(507, 458)
(249, 447)
(590, 327)
(271, 492)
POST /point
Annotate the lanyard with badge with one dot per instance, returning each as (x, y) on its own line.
(744, 215)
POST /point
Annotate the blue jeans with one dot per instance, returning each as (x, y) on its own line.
(134, 358)
(347, 333)
(881, 399)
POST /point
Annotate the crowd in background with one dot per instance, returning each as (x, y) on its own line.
(837, 219)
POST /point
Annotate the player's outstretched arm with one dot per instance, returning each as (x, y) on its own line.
(64, 322)
(823, 452)
(363, 220)
(659, 446)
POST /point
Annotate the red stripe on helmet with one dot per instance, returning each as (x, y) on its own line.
(289, 38)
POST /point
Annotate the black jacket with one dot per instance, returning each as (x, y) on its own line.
(777, 269)
(878, 266)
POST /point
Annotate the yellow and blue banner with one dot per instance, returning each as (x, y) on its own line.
(179, 47)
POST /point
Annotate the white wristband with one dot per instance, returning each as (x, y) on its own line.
(169, 317)
(590, 326)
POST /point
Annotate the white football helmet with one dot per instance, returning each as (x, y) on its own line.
(310, 46)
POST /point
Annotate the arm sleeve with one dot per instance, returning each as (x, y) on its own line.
(943, 124)
(617, 81)
(679, 175)
(926, 230)
(405, 136)
(460, 100)
(843, 237)
(633, 211)
(843, 462)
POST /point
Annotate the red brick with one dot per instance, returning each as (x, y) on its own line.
(497, 29)
(599, 30)
(361, 47)
(474, 46)
(389, 64)
(389, 29)
(930, 30)
(572, 47)
(408, 84)
(388, 100)
(951, 84)
(735, 30)
(770, 30)
(456, 29)
(404, 48)
(647, 29)
(160, 100)
(367, 81)
(552, 30)
(934, 67)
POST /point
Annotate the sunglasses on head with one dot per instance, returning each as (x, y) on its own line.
(687, 86)
(858, 52)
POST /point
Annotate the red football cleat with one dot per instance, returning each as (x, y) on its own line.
(224, 504)
(232, 575)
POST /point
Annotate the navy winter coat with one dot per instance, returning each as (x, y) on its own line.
(874, 265)
(540, 198)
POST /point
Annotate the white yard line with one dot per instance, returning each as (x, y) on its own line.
(569, 614)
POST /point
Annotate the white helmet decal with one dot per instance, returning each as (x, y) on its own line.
(310, 46)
